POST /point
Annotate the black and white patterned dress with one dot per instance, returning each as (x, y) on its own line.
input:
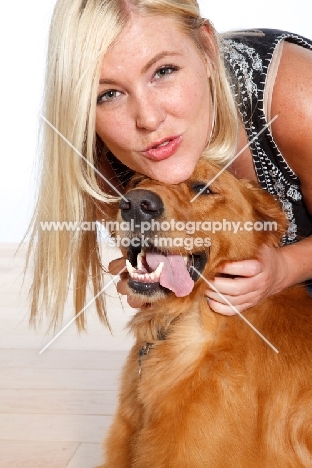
(248, 56)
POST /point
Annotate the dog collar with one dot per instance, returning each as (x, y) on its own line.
(144, 352)
(147, 347)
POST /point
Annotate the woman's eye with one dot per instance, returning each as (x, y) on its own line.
(166, 70)
(108, 96)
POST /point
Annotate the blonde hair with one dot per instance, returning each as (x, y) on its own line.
(81, 32)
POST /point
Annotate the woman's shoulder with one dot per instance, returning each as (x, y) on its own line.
(263, 39)
(292, 103)
(252, 50)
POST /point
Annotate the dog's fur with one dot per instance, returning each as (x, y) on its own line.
(211, 392)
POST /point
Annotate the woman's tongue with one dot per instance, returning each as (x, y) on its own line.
(174, 275)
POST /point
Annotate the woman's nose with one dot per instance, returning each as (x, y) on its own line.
(150, 112)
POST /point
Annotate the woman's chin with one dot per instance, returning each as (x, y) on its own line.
(171, 176)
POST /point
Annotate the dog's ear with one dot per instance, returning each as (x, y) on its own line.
(267, 210)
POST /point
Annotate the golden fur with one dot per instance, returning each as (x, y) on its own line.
(211, 392)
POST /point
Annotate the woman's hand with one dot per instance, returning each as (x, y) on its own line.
(253, 281)
(115, 267)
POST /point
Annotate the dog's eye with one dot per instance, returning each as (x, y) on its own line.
(201, 188)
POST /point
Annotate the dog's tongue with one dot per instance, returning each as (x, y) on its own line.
(174, 275)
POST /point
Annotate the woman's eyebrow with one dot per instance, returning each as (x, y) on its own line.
(108, 82)
(157, 57)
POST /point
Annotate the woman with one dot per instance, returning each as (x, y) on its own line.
(149, 86)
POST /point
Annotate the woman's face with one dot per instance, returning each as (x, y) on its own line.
(154, 102)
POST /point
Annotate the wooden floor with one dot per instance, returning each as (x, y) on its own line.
(55, 407)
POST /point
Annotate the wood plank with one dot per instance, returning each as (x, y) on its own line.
(91, 402)
(60, 359)
(54, 427)
(87, 456)
(19, 324)
(22, 454)
(89, 342)
(63, 379)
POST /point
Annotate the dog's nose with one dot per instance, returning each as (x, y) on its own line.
(141, 205)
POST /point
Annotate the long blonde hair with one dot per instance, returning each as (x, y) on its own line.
(81, 33)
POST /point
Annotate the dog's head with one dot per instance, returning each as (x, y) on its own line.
(173, 234)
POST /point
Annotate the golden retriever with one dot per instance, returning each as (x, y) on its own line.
(200, 389)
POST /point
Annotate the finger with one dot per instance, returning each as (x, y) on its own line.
(122, 287)
(225, 309)
(229, 301)
(248, 299)
(115, 266)
(245, 268)
(233, 286)
(135, 302)
(223, 298)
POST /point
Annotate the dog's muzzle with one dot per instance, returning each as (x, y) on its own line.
(150, 268)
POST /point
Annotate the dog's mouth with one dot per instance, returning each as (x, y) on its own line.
(151, 270)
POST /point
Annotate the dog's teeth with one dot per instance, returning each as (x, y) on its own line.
(158, 270)
(139, 261)
(144, 276)
(185, 258)
(129, 267)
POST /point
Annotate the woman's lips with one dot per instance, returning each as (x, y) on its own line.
(163, 149)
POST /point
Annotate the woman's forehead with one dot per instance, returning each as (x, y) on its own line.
(146, 37)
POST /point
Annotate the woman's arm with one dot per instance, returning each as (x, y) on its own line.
(292, 102)
(277, 269)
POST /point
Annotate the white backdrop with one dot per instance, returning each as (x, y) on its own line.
(23, 33)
